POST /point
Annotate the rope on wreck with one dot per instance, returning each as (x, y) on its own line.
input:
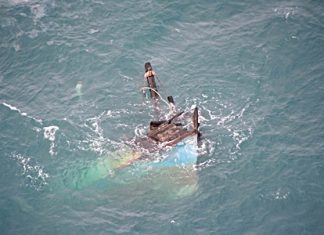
(149, 88)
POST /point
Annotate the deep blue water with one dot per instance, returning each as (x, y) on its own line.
(70, 79)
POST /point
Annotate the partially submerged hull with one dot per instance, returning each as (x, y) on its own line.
(173, 171)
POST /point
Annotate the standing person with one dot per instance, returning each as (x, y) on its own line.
(149, 77)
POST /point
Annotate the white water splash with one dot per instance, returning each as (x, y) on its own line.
(109, 113)
(214, 112)
(241, 136)
(93, 31)
(49, 133)
(35, 176)
(239, 133)
(17, 2)
(13, 108)
(278, 194)
(96, 142)
(140, 131)
(286, 12)
(78, 88)
(128, 78)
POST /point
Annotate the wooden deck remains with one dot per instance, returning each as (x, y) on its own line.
(170, 132)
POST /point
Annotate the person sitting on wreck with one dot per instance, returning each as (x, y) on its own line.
(149, 77)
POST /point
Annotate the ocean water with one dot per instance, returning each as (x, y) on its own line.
(71, 74)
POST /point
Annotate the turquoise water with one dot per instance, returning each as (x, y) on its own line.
(70, 79)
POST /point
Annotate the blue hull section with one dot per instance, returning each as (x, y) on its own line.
(183, 154)
(174, 172)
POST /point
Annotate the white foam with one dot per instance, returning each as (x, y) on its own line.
(93, 31)
(140, 131)
(34, 174)
(286, 12)
(50, 42)
(96, 142)
(78, 88)
(13, 108)
(204, 96)
(109, 113)
(37, 129)
(280, 195)
(17, 2)
(126, 77)
(49, 133)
